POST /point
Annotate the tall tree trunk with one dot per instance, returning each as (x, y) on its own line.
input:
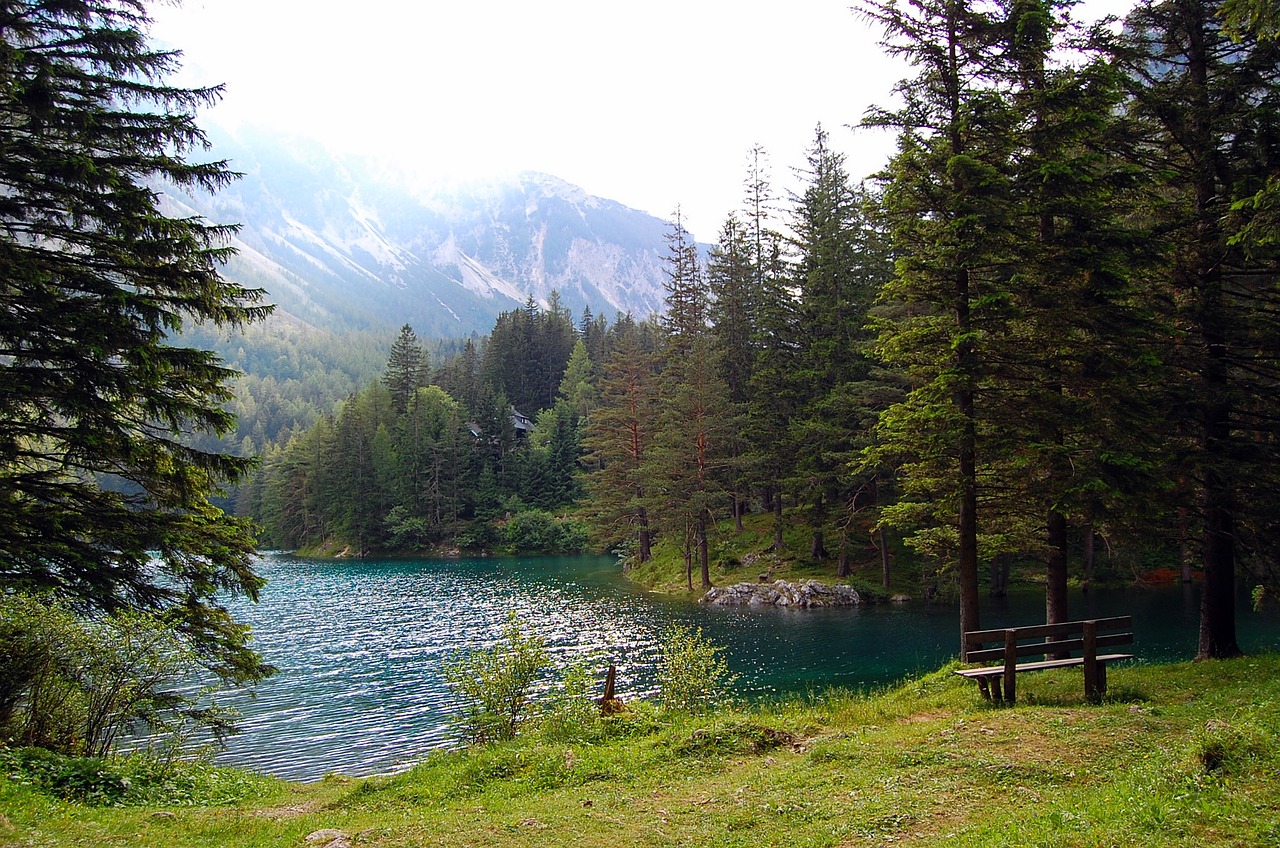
(1217, 605)
(884, 558)
(842, 563)
(1055, 594)
(777, 523)
(968, 518)
(645, 542)
(1090, 554)
(703, 551)
(816, 548)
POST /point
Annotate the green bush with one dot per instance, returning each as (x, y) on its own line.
(572, 715)
(135, 779)
(494, 685)
(72, 684)
(538, 532)
(692, 676)
(89, 780)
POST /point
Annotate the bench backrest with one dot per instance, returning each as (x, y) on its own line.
(1057, 639)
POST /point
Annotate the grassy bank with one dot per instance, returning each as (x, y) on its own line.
(748, 556)
(1178, 755)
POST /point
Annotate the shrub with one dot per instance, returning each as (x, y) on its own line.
(73, 684)
(538, 532)
(494, 685)
(89, 780)
(572, 714)
(692, 676)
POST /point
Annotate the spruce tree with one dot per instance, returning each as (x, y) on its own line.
(1209, 101)
(617, 440)
(946, 201)
(408, 368)
(689, 461)
(838, 267)
(101, 497)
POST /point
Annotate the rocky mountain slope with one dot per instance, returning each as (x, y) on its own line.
(343, 245)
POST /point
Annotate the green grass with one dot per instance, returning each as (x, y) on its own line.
(1178, 755)
(743, 557)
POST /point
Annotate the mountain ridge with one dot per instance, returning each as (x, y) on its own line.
(342, 244)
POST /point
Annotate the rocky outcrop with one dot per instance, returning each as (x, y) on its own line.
(780, 593)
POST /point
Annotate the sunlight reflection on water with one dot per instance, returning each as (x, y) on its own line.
(360, 646)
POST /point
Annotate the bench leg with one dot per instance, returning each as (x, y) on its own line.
(995, 690)
(984, 688)
(1095, 681)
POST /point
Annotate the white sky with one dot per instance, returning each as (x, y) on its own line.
(653, 103)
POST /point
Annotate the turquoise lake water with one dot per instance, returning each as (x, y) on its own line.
(360, 645)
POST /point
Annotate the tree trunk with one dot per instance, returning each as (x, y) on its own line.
(703, 552)
(777, 523)
(1218, 600)
(842, 564)
(1089, 556)
(1184, 546)
(884, 558)
(816, 548)
(1055, 593)
(646, 550)
(968, 518)
(1000, 575)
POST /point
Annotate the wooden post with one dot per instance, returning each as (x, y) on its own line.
(610, 679)
(1010, 662)
(1093, 687)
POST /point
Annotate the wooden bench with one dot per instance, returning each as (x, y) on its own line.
(1056, 642)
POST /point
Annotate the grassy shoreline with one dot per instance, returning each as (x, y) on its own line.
(1183, 754)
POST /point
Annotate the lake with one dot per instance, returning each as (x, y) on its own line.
(360, 645)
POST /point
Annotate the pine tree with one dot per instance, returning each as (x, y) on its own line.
(408, 368)
(101, 497)
(947, 203)
(617, 440)
(1209, 102)
(839, 265)
(689, 459)
(775, 394)
(732, 280)
(1066, 380)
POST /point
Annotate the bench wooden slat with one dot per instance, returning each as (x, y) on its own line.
(997, 670)
(1054, 647)
(1056, 642)
(1039, 631)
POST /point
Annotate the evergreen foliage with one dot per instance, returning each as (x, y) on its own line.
(102, 497)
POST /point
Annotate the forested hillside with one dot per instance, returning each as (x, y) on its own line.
(1049, 324)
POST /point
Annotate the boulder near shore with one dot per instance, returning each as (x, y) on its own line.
(780, 593)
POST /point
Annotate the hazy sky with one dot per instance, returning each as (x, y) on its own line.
(652, 103)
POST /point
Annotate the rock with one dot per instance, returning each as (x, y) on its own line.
(780, 593)
(328, 838)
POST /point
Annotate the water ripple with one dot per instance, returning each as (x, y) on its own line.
(361, 647)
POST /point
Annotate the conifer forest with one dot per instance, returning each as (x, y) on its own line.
(1050, 323)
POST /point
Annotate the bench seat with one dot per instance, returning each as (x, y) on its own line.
(1055, 642)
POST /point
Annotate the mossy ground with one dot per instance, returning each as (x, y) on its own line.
(1178, 755)
(748, 556)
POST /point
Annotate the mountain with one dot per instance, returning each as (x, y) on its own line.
(344, 245)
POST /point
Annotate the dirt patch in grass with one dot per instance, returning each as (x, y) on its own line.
(287, 811)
